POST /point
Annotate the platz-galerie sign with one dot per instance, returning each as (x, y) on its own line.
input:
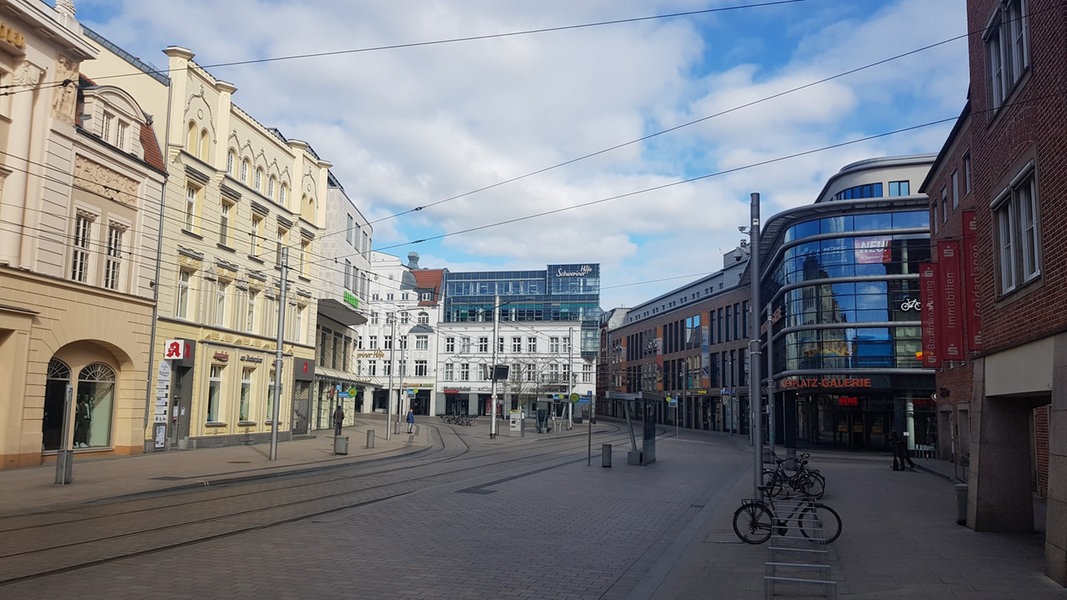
(830, 382)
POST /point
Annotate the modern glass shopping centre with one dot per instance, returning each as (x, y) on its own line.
(842, 279)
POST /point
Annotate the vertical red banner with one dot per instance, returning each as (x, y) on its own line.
(951, 303)
(928, 296)
(972, 318)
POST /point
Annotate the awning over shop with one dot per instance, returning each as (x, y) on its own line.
(342, 377)
(340, 312)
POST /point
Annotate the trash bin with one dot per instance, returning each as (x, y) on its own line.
(961, 503)
(605, 455)
(370, 438)
(340, 444)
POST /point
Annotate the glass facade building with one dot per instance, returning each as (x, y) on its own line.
(842, 276)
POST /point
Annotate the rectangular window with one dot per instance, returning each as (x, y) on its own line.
(531, 344)
(464, 372)
(224, 223)
(422, 342)
(257, 235)
(79, 264)
(1007, 49)
(270, 397)
(967, 174)
(246, 394)
(184, 291)
(372, 368)
(565, 345)
(483, 344)
(191, 194)
(553, 345)
(350, 230)
(1018, 241)
(105, 126)
(421, 368)
(113, 260)
(214, 393)
(221, 292)
(120, 135)
(449, 372)
(250, 311)
(587, 373)
(372, 342)
(955, 189)
(899, 188)
(283, 239)
(944, 205)
(450, 344)
(466, 347)
(516, 344)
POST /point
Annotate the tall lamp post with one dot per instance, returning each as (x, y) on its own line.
(755, 395)
(389, 394)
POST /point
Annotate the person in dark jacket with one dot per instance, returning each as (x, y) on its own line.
(900, 452)
(338, 420)
(411, 420)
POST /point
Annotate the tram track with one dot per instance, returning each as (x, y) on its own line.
(39, 545)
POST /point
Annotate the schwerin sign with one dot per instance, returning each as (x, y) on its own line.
(829, 382)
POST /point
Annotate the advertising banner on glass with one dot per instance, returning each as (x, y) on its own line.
(928, 294)
(950, 304)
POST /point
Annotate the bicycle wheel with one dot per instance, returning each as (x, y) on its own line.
(814, 484)
(819, 523)
(773, 482)
(752, 522)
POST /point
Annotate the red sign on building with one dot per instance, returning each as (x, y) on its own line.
(928, 295)
(973, 324)
(950, 304)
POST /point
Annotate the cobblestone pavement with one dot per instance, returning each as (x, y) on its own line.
(562, 528)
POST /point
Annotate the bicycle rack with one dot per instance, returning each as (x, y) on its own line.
(793, 565)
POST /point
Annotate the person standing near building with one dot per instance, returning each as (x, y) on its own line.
(900, 452)
(338, 419)
(411, 420)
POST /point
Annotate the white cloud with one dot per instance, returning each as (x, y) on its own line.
(411, 126)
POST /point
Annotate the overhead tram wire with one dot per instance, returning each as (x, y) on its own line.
(669, 185)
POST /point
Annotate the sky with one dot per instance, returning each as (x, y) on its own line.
(618, 132)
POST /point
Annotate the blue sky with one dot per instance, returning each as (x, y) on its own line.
(410, 127)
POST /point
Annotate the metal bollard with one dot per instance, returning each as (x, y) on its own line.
(605, 455)
(961, 503)
(370, 438)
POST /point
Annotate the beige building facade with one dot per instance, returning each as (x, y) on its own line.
(81, 185)
(243, 208)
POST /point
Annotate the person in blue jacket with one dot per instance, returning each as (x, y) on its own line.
(411, 420)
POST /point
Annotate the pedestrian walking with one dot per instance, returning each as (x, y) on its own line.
(411, 421)
(338, 420)
(900, 452)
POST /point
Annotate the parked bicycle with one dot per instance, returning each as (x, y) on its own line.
(757, 518)
(798, 477)
(459, 419)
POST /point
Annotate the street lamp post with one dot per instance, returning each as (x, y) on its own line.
(389, 394)
(755, 395)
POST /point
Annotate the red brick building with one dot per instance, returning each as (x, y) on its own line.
(997, 195)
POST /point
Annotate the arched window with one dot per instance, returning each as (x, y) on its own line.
(258, 183)
(231, 162)
(270, 187)
(55, 393)
(245, 165)
(283, 194)
(309, 208)
(205, 145)
(93, 407)
(191, 139)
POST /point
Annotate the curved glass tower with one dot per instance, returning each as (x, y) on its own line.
(842, 279)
